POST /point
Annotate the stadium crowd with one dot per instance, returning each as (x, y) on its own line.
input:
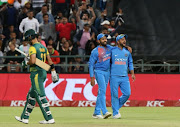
(65, 27)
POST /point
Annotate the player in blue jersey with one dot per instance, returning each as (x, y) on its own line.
(121, 61)
(99, 65)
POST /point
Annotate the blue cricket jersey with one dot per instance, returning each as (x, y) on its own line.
(121, 60)
(100, 59)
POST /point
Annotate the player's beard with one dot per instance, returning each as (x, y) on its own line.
(122, 45)
(103, 44)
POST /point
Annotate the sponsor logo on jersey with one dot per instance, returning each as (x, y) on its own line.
(120, 61)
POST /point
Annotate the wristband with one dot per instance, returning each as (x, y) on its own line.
(52, 66)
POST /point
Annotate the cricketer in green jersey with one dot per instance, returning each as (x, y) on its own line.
(38, 76)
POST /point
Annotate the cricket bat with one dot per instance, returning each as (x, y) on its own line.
(38, 61)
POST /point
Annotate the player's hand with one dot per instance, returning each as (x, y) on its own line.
(133, 77)
(28, 57)
(129, 49)
(92, 81)
(54, 76)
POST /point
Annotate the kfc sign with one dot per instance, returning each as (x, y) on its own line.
(72, 90)
(73, 86)
(155, 103)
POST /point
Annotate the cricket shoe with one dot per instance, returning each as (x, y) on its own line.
(108, 114)
(21, 120)
(97, 116)
(117, 116)
(51, 121)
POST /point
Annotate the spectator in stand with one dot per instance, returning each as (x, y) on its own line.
(77, 67)
(28, 5)
(105, 24)
(24, 47)
(51, 42)
(13, 61)
(8, 31)
(13, 40)
(64, 50)
(55, 60)
(85, 18)
(14, 36)
(60, 43)
(101, 19)
(59, 16)
(41, 41)
(63, 40)
(10, 15)
(82, 37)
(47, 29)
(44, 10)
(73, 15)
(112, 25)
(18, 4)
(37, 5)
(22, 15)
(111, 34)
(65, 28)
(84, 7)
(90, 46)
(29, 23)
(72, 48)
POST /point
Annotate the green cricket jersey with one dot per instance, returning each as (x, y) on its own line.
(41, 53)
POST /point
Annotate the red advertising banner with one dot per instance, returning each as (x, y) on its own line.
(75, 90)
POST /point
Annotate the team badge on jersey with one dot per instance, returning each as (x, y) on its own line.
(126, 55)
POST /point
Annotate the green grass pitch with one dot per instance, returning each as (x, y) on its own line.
(82, 117)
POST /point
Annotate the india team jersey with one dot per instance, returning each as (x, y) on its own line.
(100, 59)
(121, 60)
(41, 53)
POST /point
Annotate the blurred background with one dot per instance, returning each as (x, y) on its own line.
(68, 28)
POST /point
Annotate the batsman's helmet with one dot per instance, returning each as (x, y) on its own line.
(29, 35)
